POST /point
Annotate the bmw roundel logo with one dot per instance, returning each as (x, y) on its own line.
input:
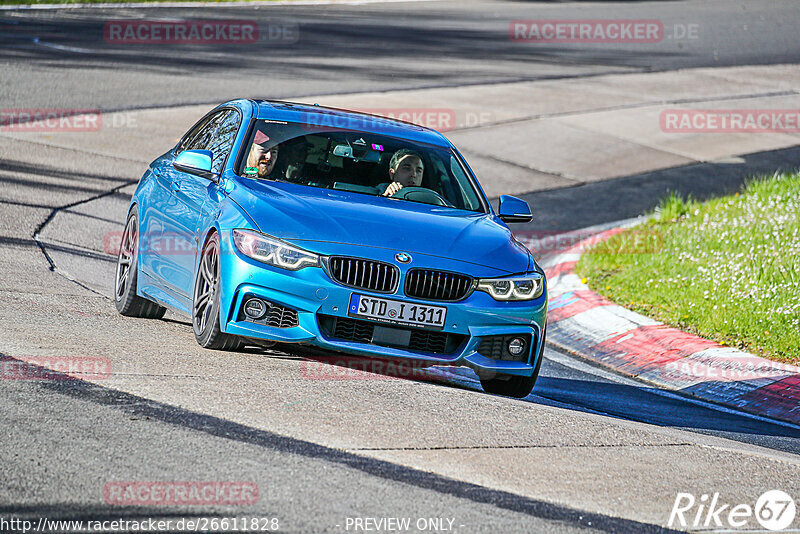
(402, 257)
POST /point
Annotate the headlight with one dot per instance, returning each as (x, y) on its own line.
(273, 251)
(527, 287)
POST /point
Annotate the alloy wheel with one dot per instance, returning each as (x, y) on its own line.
(206, 286)
(127, 254)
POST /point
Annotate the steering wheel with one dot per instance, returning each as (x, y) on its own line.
(421, 194)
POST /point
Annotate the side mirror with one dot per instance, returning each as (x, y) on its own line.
(196, 162)
(514, 210)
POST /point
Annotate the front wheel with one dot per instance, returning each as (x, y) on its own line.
(205, 304)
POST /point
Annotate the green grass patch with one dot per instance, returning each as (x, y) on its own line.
(727, 269)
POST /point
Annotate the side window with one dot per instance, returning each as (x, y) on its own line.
(195, 133)
(222, 140)
(206, 133)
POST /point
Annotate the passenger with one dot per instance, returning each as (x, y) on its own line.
(405, 170)
(296, 152)
(261, 161)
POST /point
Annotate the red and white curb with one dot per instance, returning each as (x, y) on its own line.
(590, 326)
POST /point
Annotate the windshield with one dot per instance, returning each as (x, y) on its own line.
(359, 162)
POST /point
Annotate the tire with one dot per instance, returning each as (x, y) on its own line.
(127, 301)
(516, 386)
(205, 301)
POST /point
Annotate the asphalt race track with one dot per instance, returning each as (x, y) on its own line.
(588, 450)
(61, 59)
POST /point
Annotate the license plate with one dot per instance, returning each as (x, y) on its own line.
(397, 312)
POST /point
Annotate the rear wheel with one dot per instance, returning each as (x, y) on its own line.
(127, 301)
(205, 303)
(512, 385)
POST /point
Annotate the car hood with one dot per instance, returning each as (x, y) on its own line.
(320, 219)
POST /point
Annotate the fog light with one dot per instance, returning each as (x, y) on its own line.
(255, 308)
(516, 346)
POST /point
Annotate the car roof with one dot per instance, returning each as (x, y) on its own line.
(350, 120)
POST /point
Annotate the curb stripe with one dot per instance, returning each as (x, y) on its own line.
(561, 268)
(591, 326)
(780, 399)
(648, 348)
(572, 303)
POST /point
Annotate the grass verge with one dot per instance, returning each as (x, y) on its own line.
(727, 269)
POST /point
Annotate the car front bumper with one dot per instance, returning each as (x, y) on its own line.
(315, 296)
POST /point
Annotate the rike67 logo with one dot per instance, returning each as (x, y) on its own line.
(774, 510)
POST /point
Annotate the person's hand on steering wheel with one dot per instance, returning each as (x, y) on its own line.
(392, 188)
(405, 170)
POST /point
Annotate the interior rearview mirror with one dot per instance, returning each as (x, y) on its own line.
(343, 151)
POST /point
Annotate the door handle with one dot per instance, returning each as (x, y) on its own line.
(176, 186)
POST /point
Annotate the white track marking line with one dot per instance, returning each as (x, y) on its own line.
(61, 47)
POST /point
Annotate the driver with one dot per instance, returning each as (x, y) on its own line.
(261, 161)
(405, 170)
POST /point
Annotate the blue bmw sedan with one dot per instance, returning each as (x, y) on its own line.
(351, 232)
